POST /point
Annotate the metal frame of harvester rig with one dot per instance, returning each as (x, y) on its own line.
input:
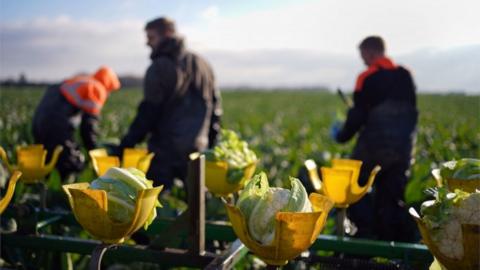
(181, 241)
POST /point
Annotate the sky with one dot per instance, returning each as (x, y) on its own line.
(270, 43)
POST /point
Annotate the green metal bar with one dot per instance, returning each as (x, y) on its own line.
(214, 230)
(50, 242)
(219, 230)
(391, 250)
(222, 231)
(169, 234)
(122, 253)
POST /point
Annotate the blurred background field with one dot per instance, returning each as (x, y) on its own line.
(284, 127)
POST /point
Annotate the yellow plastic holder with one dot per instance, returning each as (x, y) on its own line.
(105, 163)
(452, 183)
(465, 185)
(340, 183)
(294, 232)
(352, 164)
(144, 162)
(99, 152)
(132, 157)
(31, 162)
(216, 178)
(10, 190)
(90, 208)
(471, 245)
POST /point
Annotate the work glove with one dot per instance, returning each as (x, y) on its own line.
(335, 129)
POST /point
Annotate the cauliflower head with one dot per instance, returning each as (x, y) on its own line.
(445, 215)
(260, 203)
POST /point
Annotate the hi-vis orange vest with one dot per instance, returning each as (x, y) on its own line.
(381, 63)
(89, 93)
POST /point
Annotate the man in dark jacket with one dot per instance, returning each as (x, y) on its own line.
(74, 103)
(181, 108)
(385, 116)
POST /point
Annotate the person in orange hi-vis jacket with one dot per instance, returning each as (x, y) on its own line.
(74, 103)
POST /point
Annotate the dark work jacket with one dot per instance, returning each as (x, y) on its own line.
(384, 112)
(181, 108)
(56, 120)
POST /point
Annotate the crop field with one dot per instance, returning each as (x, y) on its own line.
(284, 127)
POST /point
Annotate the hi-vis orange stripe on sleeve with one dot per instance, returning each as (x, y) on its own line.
(381, 63)
(85, 93)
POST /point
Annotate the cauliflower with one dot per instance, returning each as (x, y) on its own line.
(231, 149)
(445, 215)
(260, 203)
(468, 209)
(122, 186)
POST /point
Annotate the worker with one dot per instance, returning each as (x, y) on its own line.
(384, 115)
(181, 107)
(73, 104)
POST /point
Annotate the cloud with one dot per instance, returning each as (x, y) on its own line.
(210, 13)
(338, 26)
(282, 68)
(433, 70)
(53, 48)
(447, 69)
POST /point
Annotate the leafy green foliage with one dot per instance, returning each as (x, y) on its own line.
(233, 151)
(436, 212)
(465, 169)
(284, 128)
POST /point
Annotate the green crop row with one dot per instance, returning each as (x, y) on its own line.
(284, 127)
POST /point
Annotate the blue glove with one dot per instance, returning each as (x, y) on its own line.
(335, 129)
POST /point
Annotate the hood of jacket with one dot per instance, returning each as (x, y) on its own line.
(171, 47)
